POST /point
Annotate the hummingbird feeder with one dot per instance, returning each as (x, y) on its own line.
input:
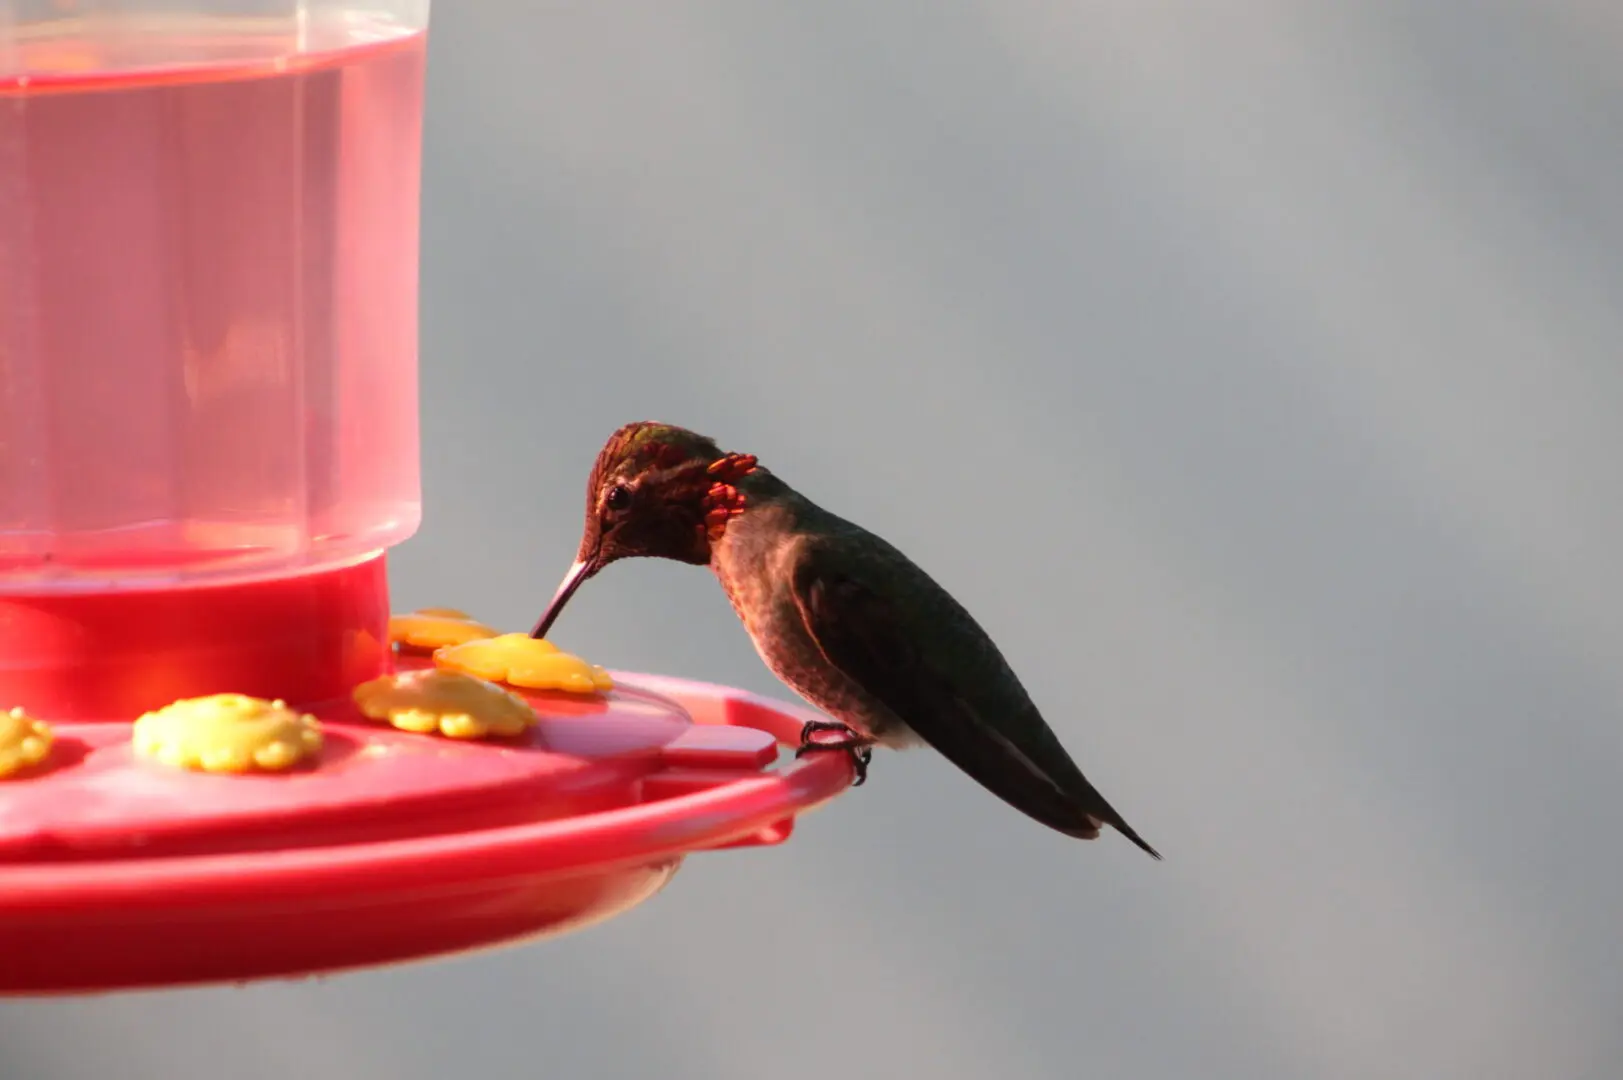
(221, 758)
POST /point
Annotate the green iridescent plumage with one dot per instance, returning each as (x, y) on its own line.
(645, 444)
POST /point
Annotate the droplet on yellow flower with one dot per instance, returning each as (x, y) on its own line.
(24, 741)
(520, 660)
(457, 705)
(227, 733)
(428, 629)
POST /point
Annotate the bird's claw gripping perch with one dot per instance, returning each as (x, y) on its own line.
(859, 747)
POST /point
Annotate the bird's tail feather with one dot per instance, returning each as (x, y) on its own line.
(1077, 809)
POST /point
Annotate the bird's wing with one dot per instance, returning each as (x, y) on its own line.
(862, 634)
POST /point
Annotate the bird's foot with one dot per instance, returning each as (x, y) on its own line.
(860, 747)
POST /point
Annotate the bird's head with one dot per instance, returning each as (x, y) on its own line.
(655, 490)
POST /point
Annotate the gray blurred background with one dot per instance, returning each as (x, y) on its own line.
(1252, 376)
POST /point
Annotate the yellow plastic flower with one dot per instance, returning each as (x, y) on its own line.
(428, 629)
(456, 705)
(24, 741)
(520, 660)
(227, 733)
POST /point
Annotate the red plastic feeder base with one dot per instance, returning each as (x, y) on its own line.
(117, 872)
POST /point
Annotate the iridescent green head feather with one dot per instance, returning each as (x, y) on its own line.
(640, 449)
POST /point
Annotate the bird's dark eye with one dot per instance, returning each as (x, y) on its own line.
(619, 497)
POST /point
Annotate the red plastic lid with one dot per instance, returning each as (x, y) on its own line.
(96, 799)
(412, 846)
(112, 656)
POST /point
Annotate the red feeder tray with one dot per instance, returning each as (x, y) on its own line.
(118, 872)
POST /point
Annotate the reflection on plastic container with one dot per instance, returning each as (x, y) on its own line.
(208, 292)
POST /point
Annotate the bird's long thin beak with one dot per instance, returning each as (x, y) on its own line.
(578, 573)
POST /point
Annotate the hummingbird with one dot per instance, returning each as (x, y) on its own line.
(839, 616)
